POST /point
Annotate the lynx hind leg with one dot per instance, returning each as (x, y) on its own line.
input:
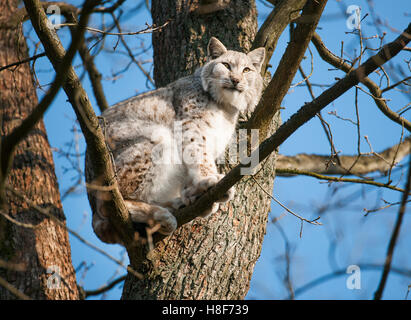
(152, 215)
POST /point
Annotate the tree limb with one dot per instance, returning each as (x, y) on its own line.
(375, 91)
(303, 115)
(287, 68)
(13, 290)
(321, 164)
(88, 62)
(274, 25)
(109, 286)
(21, 14)
(15, 64)
(394, 237)
(100, 156)
(291, 172)
(9, 142)
(343, 272)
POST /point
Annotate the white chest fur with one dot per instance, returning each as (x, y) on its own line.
(219, 132)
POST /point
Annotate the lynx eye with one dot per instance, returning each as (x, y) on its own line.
(225, 64)
(246, 69)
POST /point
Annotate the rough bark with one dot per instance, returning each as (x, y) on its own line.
(45, 245)
(209, 258)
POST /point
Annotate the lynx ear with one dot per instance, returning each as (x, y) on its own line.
(215, 48)
(257, 57)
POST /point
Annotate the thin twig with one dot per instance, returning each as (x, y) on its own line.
(89, 293)
(396, 84)
(15, 64)
(149, 29)
(314, 221)
(336, 179)
(18, 223)
(13, 290)
(74, 233)
(394, 236)
(11, 140)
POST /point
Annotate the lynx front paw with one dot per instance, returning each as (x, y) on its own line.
(152, 215)
(167, 221)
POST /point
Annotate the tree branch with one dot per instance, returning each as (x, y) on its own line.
(272, 28)
(89, 293)
(303, 115)
(100, 156)
(88, 62)
(343, 272)
(321, 164)
(287, 68)
(9, 142)
(394, 237)
(15, 64)
(13, 290)
(291, 172)
(375, 91)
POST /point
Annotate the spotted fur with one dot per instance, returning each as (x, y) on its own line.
(165, 142)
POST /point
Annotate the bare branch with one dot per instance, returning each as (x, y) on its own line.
(403, 81)
(320, 164)
(290, 172)
(274, 25)
(89, 123)
(13, 290)
(376, 92)
(88, 61)
(130, 53)
(394, 237)
(286, 70)
(89, 293)
(9, 142)
(15, 64)
(314, 221)
(306, 113)
(48, 214)
(17, 223)
(12, 266)
(149, 29)
(343, 272)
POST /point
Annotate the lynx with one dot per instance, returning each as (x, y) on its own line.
(165, 142)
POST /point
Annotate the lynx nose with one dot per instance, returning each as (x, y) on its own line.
(235, 80)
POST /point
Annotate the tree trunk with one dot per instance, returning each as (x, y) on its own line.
(209, 258)
(42, 250)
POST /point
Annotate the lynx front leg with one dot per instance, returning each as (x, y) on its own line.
(152, 215)
(203, 175)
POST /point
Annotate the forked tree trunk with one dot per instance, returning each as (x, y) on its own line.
(209, 258)
(43, 250)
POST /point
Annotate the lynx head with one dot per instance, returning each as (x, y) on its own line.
(233, 77)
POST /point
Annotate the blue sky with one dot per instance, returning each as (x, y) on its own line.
(360, 239)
